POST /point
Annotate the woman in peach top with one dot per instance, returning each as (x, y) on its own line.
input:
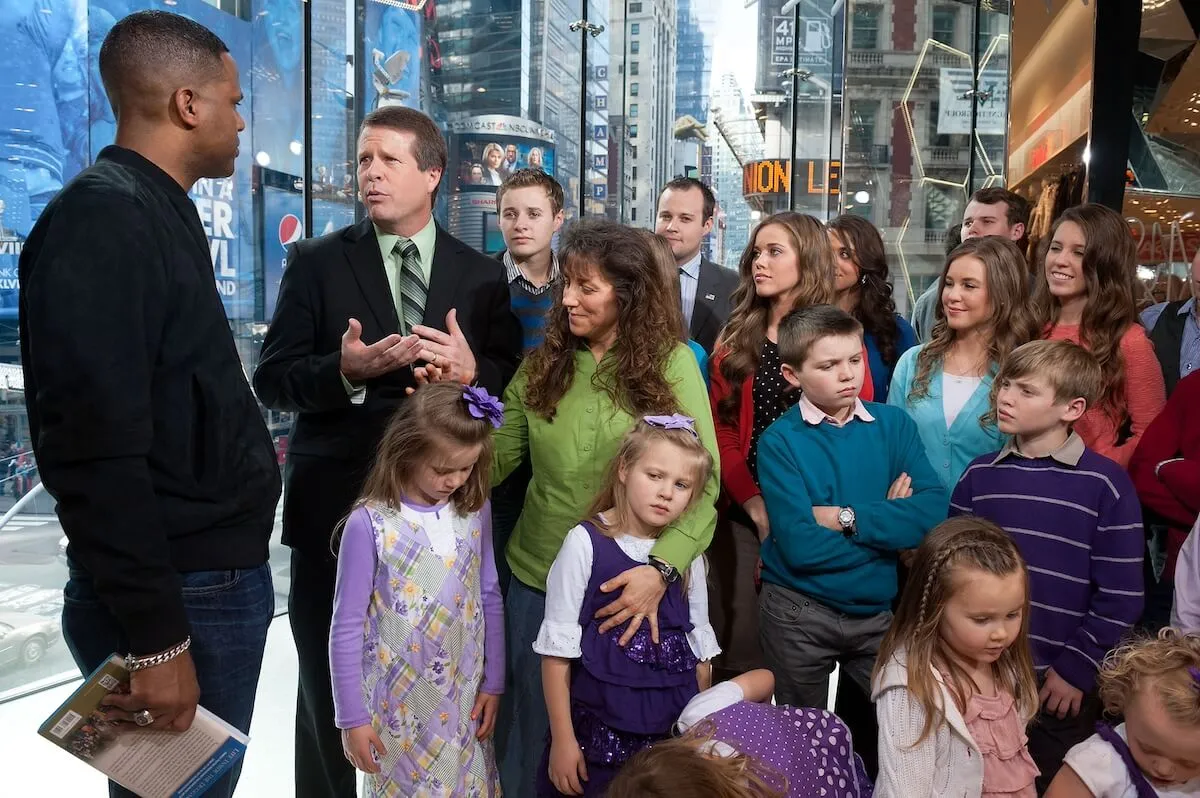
(1087, 296)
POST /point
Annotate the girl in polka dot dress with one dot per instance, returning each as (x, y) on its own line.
(736, 745)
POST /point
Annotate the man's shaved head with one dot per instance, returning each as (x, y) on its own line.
(150, 54)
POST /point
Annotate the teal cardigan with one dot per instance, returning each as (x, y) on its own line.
(951, 450)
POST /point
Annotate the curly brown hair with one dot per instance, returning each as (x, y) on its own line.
(876, 309)
(1012, 323)
(743, 336)
(1110, 277)
(1164, 663)
(633, 374)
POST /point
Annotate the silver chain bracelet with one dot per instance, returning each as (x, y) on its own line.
(133, 663)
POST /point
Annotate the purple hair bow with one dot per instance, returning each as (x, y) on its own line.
(481, 404)
(673, 421)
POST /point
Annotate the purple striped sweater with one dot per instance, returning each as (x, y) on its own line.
(1079, 528)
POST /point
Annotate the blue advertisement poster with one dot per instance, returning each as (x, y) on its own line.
(393, 56)
(55, 118)
(277, 77)
(282, 214)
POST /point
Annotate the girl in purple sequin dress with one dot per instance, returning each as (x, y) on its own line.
(736, 744)
(607, 701)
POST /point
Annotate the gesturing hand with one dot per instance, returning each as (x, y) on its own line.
(449, 351)
(169, 692)
(357, 744)
(361, 362)
(641, 589)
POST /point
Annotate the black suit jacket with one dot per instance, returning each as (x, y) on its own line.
(328, 281)
(714, 294)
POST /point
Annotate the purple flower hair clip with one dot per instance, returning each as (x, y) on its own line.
(481, 404)
(673, 421)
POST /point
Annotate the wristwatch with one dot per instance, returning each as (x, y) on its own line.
(668, 572)
(846, 518)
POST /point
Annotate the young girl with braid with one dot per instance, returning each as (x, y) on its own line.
(954, 685)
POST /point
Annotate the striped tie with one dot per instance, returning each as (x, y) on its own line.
(412, 286)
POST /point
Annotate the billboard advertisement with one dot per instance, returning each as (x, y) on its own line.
(281, 214)
(487, 149)
(277, 77)
(956, 96)
(55, 118)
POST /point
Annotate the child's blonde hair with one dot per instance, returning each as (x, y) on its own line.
(963, 542)
(655, 772)
(635, 444)
(1071, 371)
(436, 413)
(1169, 664)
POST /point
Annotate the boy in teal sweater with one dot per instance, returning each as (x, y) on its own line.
(847, 487)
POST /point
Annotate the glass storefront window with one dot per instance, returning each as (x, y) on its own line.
(891, 110)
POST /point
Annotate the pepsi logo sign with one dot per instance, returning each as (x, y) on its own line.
(290, 229)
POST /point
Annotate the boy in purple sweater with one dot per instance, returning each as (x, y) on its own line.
(1075, 516)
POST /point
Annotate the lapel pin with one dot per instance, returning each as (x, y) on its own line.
(710, 297)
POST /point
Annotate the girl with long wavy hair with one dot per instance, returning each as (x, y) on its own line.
(864, 290)
(945, 384)
(954, 685)
(1087, 294)
(612, 354)
(787, 265)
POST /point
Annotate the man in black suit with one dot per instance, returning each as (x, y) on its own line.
(685, 216)
(387, 280)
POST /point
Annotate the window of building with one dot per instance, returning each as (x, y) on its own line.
(633, 214)
(635, 174)
(635, 8)
(945, 20)
(633, 89)
(633, 112)
(635, 28)
(862, 125)
(865, 32)
(633, 131)
(635, 47)
(633, 67)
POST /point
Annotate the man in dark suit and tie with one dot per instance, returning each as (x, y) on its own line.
(685, 216)
(361, 311)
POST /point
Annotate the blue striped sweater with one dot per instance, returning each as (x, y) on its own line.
(1079, 528)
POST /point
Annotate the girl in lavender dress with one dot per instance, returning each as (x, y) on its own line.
(736, 744)
(607, 702)
(416, 647)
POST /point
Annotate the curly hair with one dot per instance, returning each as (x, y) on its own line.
(654, 772)
(963, 542)
(1012, 323)
(1164, 663)
(1110, 277)
(876, 309)
(633, 373)
(743, 336)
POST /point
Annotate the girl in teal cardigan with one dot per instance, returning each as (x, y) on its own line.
(946, 384)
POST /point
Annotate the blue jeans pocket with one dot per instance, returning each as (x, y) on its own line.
(203, 583)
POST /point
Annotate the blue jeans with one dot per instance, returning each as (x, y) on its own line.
(229, 613)
(522, 723)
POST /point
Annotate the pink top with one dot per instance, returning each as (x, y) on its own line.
(996, 728)
(1145, 395)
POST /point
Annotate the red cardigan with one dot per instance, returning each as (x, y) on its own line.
(733, 440)
(1174, 492)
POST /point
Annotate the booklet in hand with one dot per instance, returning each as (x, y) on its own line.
(150, 762)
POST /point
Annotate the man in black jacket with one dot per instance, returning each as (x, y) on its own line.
(427, 303)
(144, 427)
(685, 216)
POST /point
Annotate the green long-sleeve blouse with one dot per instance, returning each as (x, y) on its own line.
(570, 454)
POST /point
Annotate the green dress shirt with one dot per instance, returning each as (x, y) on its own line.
(571, 454)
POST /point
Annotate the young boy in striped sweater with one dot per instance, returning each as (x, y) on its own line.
(1075, 516)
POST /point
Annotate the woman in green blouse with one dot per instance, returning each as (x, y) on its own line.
(611, 355)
